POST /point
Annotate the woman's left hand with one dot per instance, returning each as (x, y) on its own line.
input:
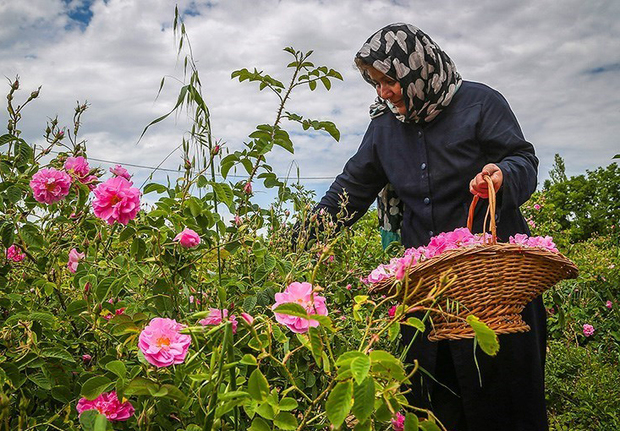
(478, 186)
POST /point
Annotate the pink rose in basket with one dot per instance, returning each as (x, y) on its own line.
(162, 343)
(116, 201)
(108, 405)
(300, 293)
(50, 185)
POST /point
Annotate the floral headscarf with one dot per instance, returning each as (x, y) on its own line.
(428, 79)
(426, 74)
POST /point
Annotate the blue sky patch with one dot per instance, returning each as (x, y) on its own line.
(79, 12)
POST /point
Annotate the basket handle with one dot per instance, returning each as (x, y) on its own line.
(490, 214)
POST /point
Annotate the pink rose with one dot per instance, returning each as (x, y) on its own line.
(162, 343)
(86, 358)
(14, 253)
(217, 316)
(116, 201)
(238, 221)
(74, 259)
(300, 293)
(531, 223)
(537, 207)
(107, 404)
(77, 166)
(188, 238)
(609, 304)
(50, 185)
(120, 171)
(588, 330)
(392, 311)
(247, 318)
(398, 422)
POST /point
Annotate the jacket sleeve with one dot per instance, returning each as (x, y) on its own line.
(359, 183)
(504, 144)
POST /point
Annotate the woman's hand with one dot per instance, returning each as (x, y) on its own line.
(478, 186)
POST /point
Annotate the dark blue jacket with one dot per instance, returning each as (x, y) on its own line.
(430, 168)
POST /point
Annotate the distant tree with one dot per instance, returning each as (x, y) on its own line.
(557, 172)
(584, 205)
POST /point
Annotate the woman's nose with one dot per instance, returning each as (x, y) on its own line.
(385, 91)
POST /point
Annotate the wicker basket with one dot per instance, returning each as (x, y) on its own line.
(494, 281)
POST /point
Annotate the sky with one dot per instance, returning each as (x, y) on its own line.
(557, 62)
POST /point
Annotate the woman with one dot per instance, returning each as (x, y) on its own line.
(432, 137)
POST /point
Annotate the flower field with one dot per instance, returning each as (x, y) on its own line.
(206, 311)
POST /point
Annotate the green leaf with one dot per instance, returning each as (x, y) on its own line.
(224, 193)
(258, 387)
(8, 234)
(393, 331)
(117, 367)
(57, 353)
(94, 386)
(339, 402)
(285, 421)
(416, 323)
(259, 424)
(360, 366)
(76, 307)
(92, 420)
(326, 82)
(141, 386)
(248, 360)
(127, 233)
(429, 426)
(287, 404)
(487, 339)
(41, 381)
(30, 233)
(138, 248)
(154, 187)
(411, 422)
(13, 194)
(364, 399)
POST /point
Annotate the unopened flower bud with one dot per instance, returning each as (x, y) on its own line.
(215, 150)
(287, 213)
(34, 94)
(247, 189)
(15, 85)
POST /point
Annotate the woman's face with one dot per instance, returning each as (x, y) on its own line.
(388, 89)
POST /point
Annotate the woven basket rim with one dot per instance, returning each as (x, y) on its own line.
(454, 254)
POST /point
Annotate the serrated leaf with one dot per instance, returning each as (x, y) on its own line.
(224, 193)
(94, 386)
(41, 381)
(58, 353)
(339, 402)
(360, 366)
(364, 399)
(486, 338)
(258, 386)
(117, 367)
